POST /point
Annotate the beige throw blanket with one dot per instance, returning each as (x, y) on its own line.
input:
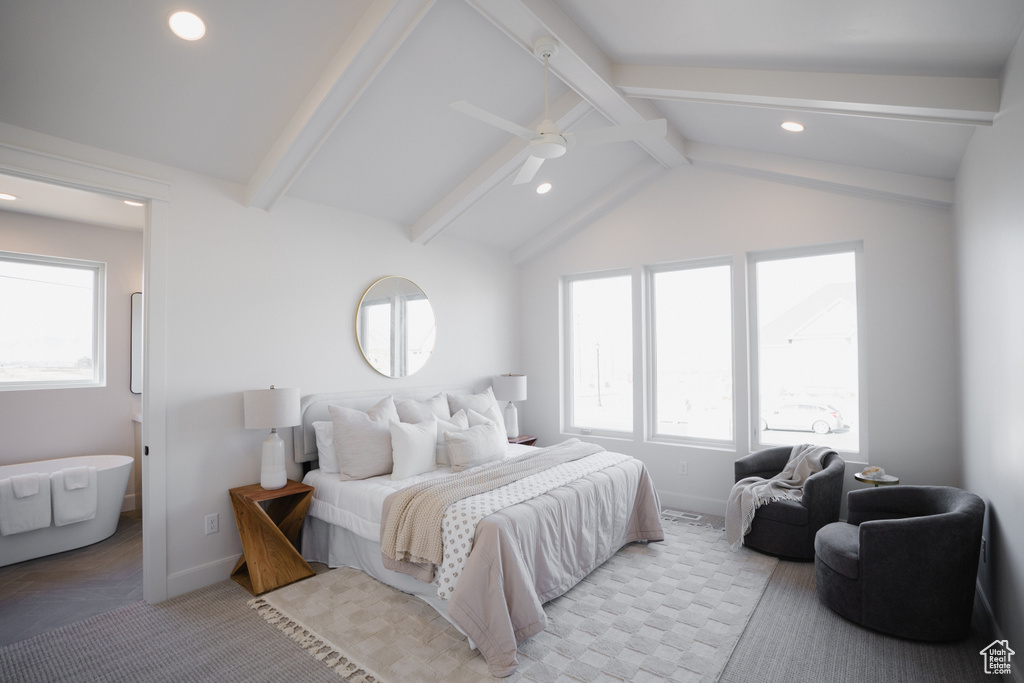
(751, 493)
(413, 516)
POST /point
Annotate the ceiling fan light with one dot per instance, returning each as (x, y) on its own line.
(793, 127)
(187, 26)
(548, 146)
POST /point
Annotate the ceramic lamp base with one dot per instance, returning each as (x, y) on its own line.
(511, 420)
(272, 474)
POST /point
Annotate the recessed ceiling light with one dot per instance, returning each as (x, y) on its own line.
(793, 126)
(543, 188)
(187, 25)
(7, 197)
(131, 202)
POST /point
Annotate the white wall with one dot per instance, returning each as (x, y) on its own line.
(51, 423)
(910, 332)
(990, 229)
(257, 298)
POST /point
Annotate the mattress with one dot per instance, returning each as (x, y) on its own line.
(357, 505)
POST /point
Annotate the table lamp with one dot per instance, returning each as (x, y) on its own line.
(269, 409)
(510, 388)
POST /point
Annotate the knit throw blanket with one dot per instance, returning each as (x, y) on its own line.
(751, 493)
(413, 516)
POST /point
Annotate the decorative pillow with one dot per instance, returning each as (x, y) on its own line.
(362, 440)
(478, 402)
(418, 411)
(414, 447)
(457, 423)
(475, 446)
(325, 446)
(489, 417)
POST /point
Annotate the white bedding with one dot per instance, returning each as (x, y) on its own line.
(522, 556)
(357, 505)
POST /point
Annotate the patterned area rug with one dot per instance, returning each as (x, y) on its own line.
(668, 611)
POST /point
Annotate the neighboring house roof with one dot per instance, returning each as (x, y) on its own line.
(828, 313)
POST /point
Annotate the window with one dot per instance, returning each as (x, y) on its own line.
(805, 326)
(51, 322)
(599, 339)
(692, 351)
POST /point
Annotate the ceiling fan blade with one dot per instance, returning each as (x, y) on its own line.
(628, 131)
(528, 170)
(493, 119)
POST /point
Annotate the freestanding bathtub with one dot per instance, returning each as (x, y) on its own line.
(112, 472)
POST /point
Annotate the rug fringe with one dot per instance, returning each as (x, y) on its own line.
(319, 648)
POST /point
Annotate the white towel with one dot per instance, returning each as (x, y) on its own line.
(25, 513)
(77, 505)
(76, 477)
(26, 484)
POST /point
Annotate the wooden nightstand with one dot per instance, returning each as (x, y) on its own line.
(524, 439)
(270, 559)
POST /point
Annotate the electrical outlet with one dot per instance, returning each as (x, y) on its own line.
(684, 468)
(213, 523)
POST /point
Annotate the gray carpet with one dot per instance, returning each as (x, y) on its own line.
(207, 635)
(212, 635)
(792, 637)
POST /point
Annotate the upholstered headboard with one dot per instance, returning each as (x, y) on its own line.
(314, 408)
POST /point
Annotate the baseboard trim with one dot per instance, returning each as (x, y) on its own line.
(707, 506)
(991, 626)
(202, 576)
(128, 504)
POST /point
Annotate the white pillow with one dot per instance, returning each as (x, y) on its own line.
(458, 422)
(475, 446)
(362, 440)
(417, 411)
(478, 402)
(489, 417)
(414, 447)
(324, 431)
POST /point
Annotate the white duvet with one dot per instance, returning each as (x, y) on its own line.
(357, 505)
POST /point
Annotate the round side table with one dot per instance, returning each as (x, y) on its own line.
(884, 480)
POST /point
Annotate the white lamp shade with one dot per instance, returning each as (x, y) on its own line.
(509, 387)
(271, 408)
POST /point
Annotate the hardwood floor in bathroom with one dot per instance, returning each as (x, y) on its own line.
(49, 592)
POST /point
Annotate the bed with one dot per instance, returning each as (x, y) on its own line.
(546, 532)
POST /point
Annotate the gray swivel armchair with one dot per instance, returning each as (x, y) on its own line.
(786, 528)
(905, 562)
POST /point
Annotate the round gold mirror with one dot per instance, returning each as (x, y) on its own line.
(395, 327)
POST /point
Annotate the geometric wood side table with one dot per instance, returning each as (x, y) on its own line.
(269, 557)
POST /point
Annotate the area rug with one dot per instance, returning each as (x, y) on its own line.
(669, 611)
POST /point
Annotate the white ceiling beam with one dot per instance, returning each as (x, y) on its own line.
(582, 66)
(824, 175)
(381, 30)
(566, 112)
(584, 215)
(940, 99)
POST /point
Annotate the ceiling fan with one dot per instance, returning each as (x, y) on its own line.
(547, 142)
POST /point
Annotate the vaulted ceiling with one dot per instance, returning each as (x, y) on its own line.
(346, 102)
